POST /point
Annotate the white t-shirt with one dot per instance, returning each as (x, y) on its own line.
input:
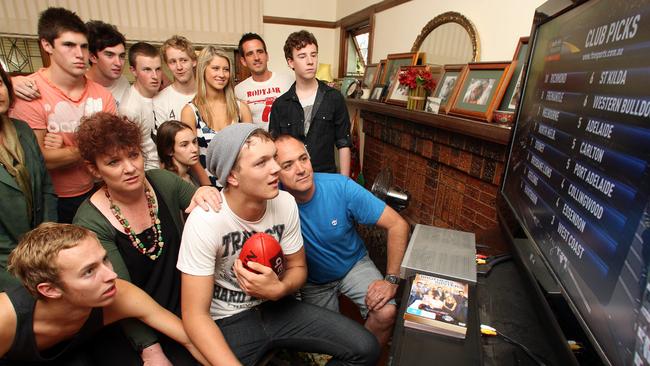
(212, 241)
(140, 110)
(119, 89)
(260, 95)
(169, 103)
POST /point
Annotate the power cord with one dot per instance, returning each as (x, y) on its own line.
(485, 263)
(489, 331)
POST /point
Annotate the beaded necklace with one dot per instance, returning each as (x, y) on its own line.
(158, 242)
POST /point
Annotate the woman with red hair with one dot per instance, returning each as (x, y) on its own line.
(137, 217)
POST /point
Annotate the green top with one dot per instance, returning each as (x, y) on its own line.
(14, 220)
(176, 193)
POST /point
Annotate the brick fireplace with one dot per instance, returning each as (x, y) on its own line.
(453, 178)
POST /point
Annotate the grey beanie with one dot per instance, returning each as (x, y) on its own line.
(224, 149)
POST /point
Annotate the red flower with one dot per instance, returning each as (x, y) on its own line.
(414, 77)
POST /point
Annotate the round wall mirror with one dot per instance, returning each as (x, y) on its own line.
(449, 38)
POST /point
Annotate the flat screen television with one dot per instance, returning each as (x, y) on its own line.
(577, 178)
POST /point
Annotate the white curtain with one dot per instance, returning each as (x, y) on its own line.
(220, 22)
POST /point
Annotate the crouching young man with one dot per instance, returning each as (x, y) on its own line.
(235, 316)
(70, 292)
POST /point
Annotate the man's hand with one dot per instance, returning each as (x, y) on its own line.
(154, 356)
(205, 197)
(265, 285)
(25, 88)
(53, 140)
(379, 293)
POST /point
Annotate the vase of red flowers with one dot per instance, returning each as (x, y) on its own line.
(420, 82)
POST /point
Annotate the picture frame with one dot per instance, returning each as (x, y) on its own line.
(396, 60)
(432, 105)
(448, 85)
(397, 93)
(381, 71)
(377, 92)
(370, 76)
(510, 99)
(482, 86)
(365, 93)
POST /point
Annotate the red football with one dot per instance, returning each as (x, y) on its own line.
(263, 249)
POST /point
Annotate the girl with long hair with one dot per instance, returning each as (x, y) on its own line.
(178, 148)
(214, 106)
(28, 197)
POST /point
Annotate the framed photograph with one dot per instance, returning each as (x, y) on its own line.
(397, 93)
(397, 60)
(433, 105)
(370, 75)
(377, 91)
(510, 98)
(447, 86)
(481, 88)
(381, 71)
(365, 93)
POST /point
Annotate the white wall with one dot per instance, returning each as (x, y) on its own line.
(347, 7)
(276, 34)
(202, 21)
(499, 24)
(302, 9)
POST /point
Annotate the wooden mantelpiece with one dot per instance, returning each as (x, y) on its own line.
(484, 131)
(452, 167)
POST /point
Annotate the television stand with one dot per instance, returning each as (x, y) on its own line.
(503, 300)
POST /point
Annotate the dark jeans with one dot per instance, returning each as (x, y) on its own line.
(67, 206)
(289, 323)
(110, 347)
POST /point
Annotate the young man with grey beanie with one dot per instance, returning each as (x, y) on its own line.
(235, 316)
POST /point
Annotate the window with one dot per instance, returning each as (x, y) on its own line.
(357, 52)
(20, 55)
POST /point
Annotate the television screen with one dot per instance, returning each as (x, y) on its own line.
(577, 175)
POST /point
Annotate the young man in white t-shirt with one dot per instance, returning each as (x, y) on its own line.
(178, 53)
(235, 316)
(261, 88)
(107, 56)
(146, 66)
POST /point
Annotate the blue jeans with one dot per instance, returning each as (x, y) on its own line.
(289, 323)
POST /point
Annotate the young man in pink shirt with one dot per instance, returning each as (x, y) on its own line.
(66, 97)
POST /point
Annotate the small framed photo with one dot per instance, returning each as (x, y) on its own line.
(481, 88)
(433, 105)
(447, 86)
(397, 60)
(381, 72)
(370, 75)
(511, 96)
(377, 91)
(365, 93)
(398, 94)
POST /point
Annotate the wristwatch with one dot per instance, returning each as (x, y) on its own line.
(391, 279)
